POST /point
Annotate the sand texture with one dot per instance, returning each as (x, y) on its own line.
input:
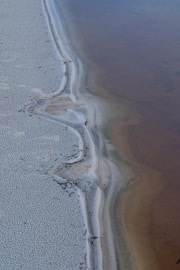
(42, 224)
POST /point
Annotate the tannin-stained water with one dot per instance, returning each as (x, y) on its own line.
(134, 48)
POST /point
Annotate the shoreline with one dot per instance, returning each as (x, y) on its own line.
(122, 251)
(104, 187)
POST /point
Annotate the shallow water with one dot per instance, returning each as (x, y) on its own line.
(133, 50)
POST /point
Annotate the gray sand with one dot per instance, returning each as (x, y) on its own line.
(41, 222)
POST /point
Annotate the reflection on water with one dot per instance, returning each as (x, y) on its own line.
(136, 46)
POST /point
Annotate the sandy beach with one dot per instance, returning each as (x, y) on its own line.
(56, 170)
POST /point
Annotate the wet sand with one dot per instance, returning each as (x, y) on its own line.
(136, 60)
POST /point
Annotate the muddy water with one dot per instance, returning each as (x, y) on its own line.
(133, 50)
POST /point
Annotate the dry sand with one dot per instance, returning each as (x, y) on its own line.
(42, 222)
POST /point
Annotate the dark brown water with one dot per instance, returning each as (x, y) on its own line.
(134, 48)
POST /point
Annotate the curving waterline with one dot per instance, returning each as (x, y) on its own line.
(98, 185)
